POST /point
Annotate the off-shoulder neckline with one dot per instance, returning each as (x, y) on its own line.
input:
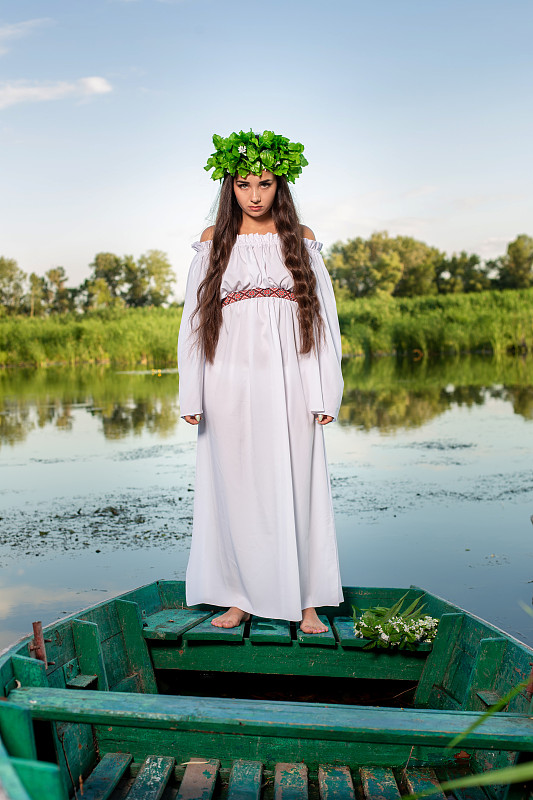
(254, 238)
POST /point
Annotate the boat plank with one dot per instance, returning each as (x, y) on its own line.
(89, 651)
(16, 731)
(61, 649)
(326, 639)
(105, 616)
(11, 785)
(207, 632)
(291, 782)
(343, 627)
(507, 731)
(327, 661)
(229, 746)
(147, 598)
(485, 668)
(172, 622)
(335, 783)
(29, 671)
(245, 780)
(40, 780)
(81, 681)
(199, 780)
(116, 659)
(172, 595)
(137, 649)
(379, 784)
(423, 779)
(442, 653)
(105, 776)
(270, 631)
(152, 779)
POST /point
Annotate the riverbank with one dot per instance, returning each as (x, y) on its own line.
(495, 322)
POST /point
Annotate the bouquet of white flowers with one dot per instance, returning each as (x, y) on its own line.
(392, 627)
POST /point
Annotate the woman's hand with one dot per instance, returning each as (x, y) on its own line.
(193, 420)
(323, 419)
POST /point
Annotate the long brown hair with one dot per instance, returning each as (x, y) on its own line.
(295, 255)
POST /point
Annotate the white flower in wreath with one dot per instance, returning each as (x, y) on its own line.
(242, 149)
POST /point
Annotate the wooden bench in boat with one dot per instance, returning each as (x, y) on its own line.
(255, 718)
(185, 639)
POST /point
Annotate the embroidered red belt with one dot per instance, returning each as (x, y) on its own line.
(233, 297)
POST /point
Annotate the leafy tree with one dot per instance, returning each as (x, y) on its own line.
(137, 281)
(155, 265)
(462, 273)
(36, 300)
(11, 285)
(365, 267)
(516, 267)
(419, 262)
(96, 294)
(109, 268)
(384, 265)
(59, 299)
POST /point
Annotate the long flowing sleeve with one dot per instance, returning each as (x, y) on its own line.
(190, 362)
(330, 352)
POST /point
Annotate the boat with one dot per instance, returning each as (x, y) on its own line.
(141, 697)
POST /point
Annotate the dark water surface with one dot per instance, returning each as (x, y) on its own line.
(431, 468)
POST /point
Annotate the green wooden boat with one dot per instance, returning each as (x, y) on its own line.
(141, 697)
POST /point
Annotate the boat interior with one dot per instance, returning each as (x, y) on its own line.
(141, 697)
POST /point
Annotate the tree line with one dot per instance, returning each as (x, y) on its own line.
(115, 282)
(381, 265)
(401, 266)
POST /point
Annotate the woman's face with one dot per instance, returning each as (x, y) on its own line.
(255, 194)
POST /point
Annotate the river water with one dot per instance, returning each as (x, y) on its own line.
(430, 465)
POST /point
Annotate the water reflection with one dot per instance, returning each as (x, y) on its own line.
(385, 394)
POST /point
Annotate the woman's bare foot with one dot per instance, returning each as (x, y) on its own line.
(310, 622)
(231, 619)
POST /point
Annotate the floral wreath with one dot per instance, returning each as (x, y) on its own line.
(247, 152)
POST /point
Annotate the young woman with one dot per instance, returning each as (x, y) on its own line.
(259, 360)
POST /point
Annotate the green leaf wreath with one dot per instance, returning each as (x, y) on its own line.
(246, 152)
(392, 627)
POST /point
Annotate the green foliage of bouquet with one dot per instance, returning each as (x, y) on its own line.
(244, 152)
(392, 627)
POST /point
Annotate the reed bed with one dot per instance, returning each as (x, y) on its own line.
(495, 322)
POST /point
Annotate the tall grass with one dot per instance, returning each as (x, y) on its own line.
(494, 322)
(127, 338)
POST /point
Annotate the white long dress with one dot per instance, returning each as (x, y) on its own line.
(263, 530)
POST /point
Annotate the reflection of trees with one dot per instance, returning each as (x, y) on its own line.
(522, 399)
(156, 416)
(15, 422)
(389, 394)
(126, 403)
(388, 410)
(386, 394)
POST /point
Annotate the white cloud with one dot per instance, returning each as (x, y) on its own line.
(17, 30)
(25, 92)
(95, 85)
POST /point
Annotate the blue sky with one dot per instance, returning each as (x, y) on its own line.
(416, 117)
